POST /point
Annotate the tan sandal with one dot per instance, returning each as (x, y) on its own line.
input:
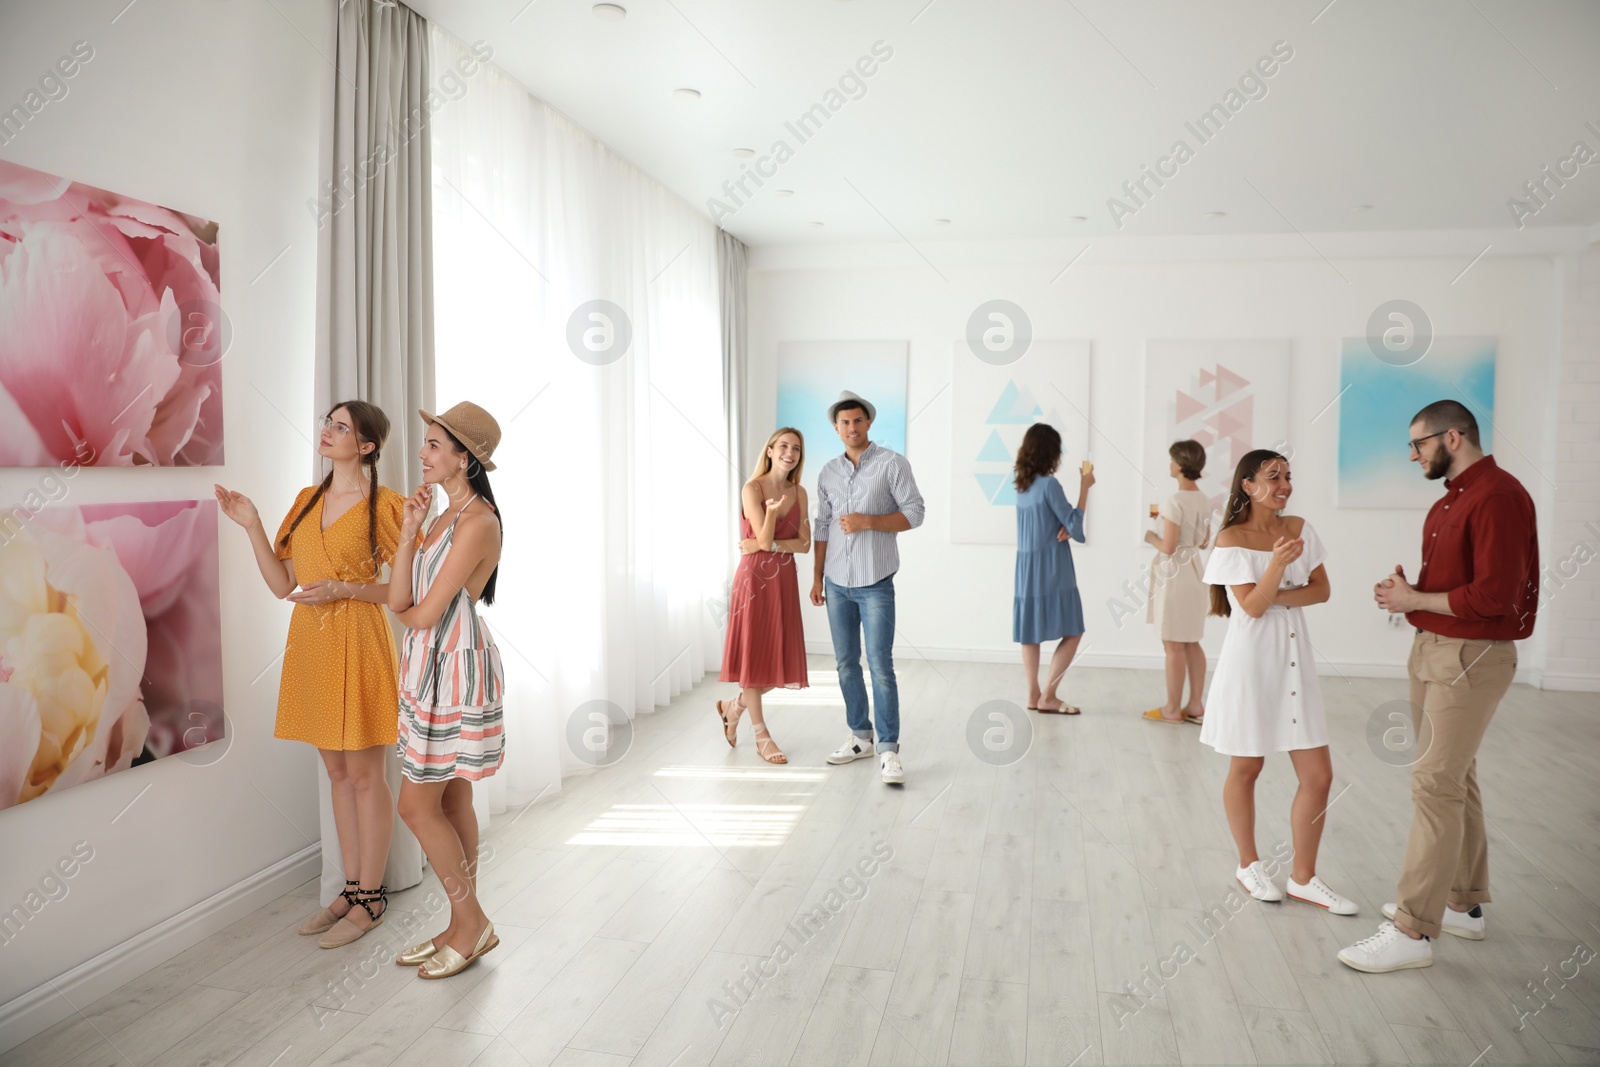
(730, 730)
(344, 931)
(764, 737)
(326, 920)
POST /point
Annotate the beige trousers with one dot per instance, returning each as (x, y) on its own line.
(1456, 685)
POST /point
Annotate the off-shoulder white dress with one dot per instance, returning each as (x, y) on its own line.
(1264, 696)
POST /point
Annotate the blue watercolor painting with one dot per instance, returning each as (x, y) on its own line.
(1377, 403)
(810, 377)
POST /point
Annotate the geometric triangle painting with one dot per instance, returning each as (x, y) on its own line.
(1230, 396)
(992, 408)
(995, 451)
(1016, 407)
(992, 483)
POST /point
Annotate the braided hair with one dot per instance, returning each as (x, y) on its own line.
(371, 425)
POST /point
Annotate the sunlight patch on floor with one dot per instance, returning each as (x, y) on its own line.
(691, 825)
(744, 773)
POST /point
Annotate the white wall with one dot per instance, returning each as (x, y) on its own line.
(1571, 587)
(212, 109)
(955, 600)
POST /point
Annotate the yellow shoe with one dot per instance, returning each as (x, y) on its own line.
(416, 954)
(447, 961)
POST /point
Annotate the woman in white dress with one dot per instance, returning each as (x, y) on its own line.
(1266, 567)
(1178, 594)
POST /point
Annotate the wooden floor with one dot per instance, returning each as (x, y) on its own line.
(1019, 903)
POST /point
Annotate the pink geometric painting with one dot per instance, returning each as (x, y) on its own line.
(111, 330)
(1231, 396)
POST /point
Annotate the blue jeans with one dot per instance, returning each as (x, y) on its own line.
(869, 609)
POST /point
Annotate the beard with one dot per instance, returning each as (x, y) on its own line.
(1436, 465)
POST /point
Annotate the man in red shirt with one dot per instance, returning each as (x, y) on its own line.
(1477, 592)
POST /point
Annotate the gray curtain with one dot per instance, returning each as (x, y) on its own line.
(375, 277)
(735, 354)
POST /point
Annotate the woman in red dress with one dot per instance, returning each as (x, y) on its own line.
(766, 645)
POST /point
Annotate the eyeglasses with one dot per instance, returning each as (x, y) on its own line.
(329, 424)
(1430, 437)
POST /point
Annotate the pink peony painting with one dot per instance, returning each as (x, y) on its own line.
(110, 641)
(111, 328)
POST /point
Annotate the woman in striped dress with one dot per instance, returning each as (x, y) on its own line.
(451, 683)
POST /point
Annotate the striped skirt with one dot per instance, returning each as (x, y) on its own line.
(441, 742)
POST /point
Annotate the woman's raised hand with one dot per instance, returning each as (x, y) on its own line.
(417, 505)
(237, 507)
(1285, 550)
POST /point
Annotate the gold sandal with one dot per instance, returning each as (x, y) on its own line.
(416, 954)
(447, 961)
(764, 737)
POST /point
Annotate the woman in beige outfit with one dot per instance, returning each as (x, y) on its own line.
(1179, 598)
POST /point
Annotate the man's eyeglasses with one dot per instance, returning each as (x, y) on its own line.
(1430, 437)
(344, 431)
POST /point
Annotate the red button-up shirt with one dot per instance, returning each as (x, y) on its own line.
(1480, 545)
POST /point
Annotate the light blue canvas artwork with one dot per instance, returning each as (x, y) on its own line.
(1376, 406)
(810, 377)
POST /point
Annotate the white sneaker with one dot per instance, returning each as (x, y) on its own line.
(1460, 923)
(853, 749)
(1317, 892)
(1387, 950)
(1257, 884)
(893, 773)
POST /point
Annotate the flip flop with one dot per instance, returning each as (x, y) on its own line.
(1198, 720)
(1154, 715)
(1065, 709)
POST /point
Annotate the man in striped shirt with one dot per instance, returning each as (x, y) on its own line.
(864, 498)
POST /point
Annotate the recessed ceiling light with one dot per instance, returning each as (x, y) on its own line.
(686, 94)
(743, 153)
(1077, 218)
(610, 12)
(783, 192)
(941, 222)
(816, 223)
(1216, 214)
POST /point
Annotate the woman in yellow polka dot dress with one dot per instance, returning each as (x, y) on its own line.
(340, 688)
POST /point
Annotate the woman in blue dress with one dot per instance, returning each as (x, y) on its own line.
(1047, 604)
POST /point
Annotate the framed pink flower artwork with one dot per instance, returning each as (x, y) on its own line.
(110, 642)
(111, 328)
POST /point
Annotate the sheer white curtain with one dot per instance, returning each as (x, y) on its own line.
(611, 473)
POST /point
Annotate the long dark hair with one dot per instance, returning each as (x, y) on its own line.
(370, 425)
(478, 481)
(1038, 455)
(1238, 511)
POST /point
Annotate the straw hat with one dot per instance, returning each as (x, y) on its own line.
(474, 427)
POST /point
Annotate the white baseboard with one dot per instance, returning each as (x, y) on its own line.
(40, 1009)
(1572, 683)
(1155, 661)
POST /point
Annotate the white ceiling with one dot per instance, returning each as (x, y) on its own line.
(1008, 117)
